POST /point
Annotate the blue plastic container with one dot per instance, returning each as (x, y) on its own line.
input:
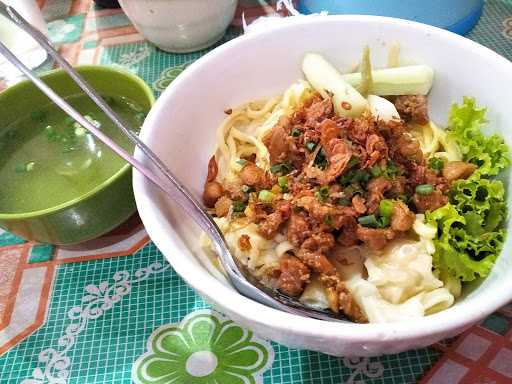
(458, 16)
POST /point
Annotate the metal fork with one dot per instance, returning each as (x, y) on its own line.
(158, 173)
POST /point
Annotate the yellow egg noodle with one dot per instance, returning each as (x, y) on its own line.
(400, 283)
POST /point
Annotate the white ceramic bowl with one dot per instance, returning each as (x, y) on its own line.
(181, 129)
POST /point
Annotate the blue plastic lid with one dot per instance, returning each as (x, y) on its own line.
(458, 16)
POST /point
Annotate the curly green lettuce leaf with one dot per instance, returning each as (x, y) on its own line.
(469, 235)
(489, 153)
(481, 202)
(459, 253)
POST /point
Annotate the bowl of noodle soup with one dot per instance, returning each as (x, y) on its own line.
(263, 74)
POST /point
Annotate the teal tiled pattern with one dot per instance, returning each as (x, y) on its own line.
(40, 253)
(497, 323)
(106, 22)
(109, 343)
(494, 30)
(7, 238)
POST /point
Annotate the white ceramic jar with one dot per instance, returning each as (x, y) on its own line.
(20, 42)
(180, 25)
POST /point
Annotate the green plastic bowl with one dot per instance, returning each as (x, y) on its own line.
(108, 204)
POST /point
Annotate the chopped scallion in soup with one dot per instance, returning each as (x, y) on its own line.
(47, 159)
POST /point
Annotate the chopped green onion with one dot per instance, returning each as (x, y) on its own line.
(345, 179)
(352, 177)
(322, 194)
(247, 189)
(368, 221)
(239, 206)
(376, 171)
(281, 168)
(51, 133)
(344, 202)
(242, 162)
(360, 175)
(324, 190)
(93, 121)
(321, 159)
(386, 207)
(30, 166)
(392, 170)
(354, 160)
(68, 149)
(295, 132)
(140, 116)
(25, 167)
(436, 163)
(276, 168)
(424, 189)
(310, 145)
(384, 221)
(266, 196)
(328, 220)
(80, 131)
(283, 183)
(353, 189)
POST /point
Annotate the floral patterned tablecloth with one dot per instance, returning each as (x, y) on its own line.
(113, 310)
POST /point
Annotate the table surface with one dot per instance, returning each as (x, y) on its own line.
(113, 310)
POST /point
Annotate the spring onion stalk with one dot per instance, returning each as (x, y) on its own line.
(368, 221)
(295, 132)
(310, 145)
(322, 194)
(394, 55)
(366, 73)
(436, 163)
(326, 80)
(283, 182)
(410, 80)
(344, 201)
(424, 189)
(239, 206)
(376, 171)
(382, 109)
(386, 207)
(266, 196)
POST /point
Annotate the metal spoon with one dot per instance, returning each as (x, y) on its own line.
(158, 173)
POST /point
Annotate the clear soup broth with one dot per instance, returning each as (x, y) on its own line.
(47, 159)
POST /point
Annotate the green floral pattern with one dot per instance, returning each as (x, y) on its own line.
(167, 76)
(66, 31)
(205, 348)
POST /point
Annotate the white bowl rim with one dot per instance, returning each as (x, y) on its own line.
(457, 317)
